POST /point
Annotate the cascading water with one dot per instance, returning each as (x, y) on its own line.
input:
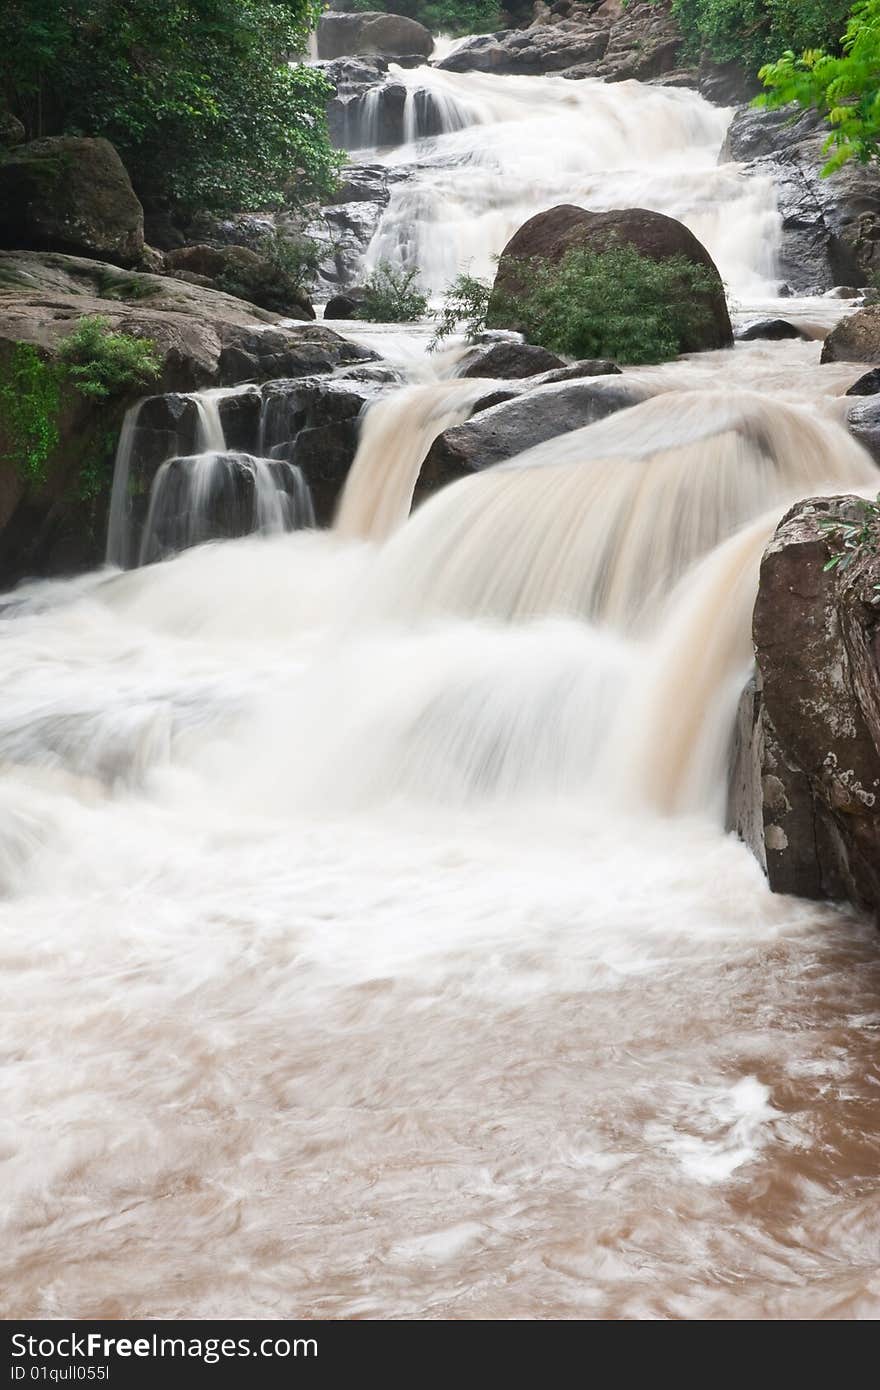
(532, 142)
(368, 941)
(213, 493)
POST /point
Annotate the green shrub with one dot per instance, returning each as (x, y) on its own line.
(30, 400)
(465, 305)
(613, 303)
(844, 89)
(198, 96)
(295, 255)
(393, 296)
(94, 363)
(754, 32)
(100, 364)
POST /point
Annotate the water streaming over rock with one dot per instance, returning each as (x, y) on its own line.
(368, 939)
(532, 142)
(168, 500)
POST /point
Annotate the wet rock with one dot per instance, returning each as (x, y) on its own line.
(511, 360)
(549, 235)
(855, 339)
(373, 33)
(68, 193)
(805, 789)
(774, 330)
(532, 416)
(345, 306)
(346, 227)
(830, 226)
(866, 385)
(642, 42)
(864, 422)
(315, 425)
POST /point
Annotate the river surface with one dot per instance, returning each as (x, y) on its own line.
(370, 942)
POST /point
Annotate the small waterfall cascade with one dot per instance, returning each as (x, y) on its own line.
(503, 148)
(409, 106)
(396, 436)
(180, 481)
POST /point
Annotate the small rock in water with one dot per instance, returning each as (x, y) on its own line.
(866, 385)
(775, 330)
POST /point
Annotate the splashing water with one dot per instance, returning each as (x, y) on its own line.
(368, 941)
(533, 142)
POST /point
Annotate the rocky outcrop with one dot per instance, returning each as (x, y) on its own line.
(642, 41)
(863, 420)
(347, 224)
(373, 33)
(314, 423)
(533, 415)
(345, 305)
(805, 788)
(856, 338)
(70, 194)
(867, 385)
(239, 271)
(549, 235)
(203, 338)
(830, 226)
(509, 361)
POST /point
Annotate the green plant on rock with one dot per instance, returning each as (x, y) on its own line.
(853, 536)
(99, 363)
(465, 306)
(612, 303)
(294, 254)
(393, 296)
(30, 401)
(844, 88)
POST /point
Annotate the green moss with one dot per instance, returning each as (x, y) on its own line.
(112, 285)
(101, 367)
(30, 403)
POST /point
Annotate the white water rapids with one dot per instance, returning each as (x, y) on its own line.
(353, 961)
(533, 142)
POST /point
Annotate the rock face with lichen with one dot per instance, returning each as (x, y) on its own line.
(68, 193)
(805, 781)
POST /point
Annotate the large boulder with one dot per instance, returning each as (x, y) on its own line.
(509, 428)
(830, 226)
(246, 274)
(856, 338)
(806, 772)
(68, 193)
(549, 235)
(385, 35)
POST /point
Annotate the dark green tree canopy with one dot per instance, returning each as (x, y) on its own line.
(199, 96)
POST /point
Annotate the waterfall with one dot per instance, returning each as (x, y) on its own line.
(188, 498)
(396, 436)
(371, 941)
(508, 147)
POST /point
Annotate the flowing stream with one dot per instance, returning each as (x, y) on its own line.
(370, 944)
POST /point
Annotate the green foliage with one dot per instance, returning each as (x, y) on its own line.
(465, 305)
(295, 255)
(100, 364)
(96, 364)
(845, 89)
(613, 303)
(444, 16)
(854, 538)
(30, 400)
(393, 296)
(754, 32)
(197, 95)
